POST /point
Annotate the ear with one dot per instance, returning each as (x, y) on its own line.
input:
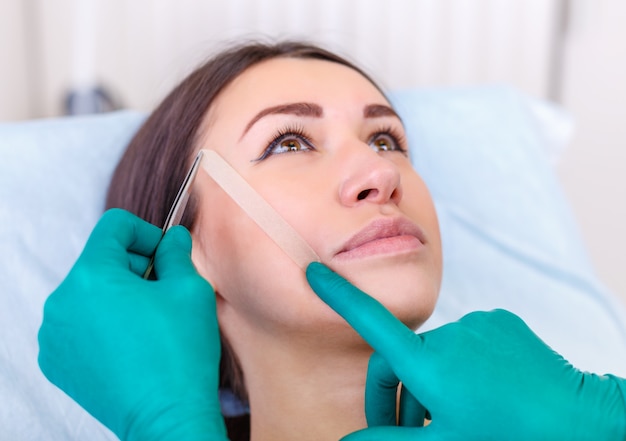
(203, 267)
(202, 262)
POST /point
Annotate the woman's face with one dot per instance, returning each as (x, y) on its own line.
(323, 146)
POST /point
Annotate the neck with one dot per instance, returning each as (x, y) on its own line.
(305, 391)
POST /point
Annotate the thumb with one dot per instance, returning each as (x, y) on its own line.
(173, 256)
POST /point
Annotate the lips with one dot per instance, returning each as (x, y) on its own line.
(382, 236)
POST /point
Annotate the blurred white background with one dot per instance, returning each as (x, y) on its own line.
(572, 52)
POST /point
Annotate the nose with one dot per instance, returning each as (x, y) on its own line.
(370, 178)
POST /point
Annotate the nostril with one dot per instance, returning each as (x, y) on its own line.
(362, 195)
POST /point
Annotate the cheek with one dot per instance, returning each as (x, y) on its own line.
(254, 278)
(418, 205)
(218, 237)
(300, 197)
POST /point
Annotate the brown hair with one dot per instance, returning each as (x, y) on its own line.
(155, 162)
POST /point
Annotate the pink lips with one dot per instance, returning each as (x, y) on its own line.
(384, 236)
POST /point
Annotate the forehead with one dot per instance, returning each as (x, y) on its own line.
(283, 80)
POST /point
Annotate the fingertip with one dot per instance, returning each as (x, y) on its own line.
(114, 215)
(176, 240)
(317, 269)
(173, 255)
(318, 276)
(180, 236)
(379, 370)
(322, 278)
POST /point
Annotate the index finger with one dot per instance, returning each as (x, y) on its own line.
(385, 333)
(119, 230)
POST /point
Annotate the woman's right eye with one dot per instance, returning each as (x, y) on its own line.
(287, 142)
(290, 144)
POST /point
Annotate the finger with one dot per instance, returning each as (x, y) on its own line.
(412, 413)
(138, 263)
(173, 256)
(118, 230)
(381, 392)
(386, 433)
(385, 333)
(43, 359)
(52, 366)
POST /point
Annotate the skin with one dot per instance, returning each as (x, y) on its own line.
(304, 366)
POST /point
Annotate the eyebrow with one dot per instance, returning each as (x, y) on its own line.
(316, 111)
(379, 110)
(298, 109)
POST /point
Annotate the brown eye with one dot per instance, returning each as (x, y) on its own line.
(289, 140)
(289, 145)
(383, 143)
(387, 140)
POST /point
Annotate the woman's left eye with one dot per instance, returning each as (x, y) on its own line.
(386, 142)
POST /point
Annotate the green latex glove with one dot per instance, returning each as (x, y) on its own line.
(142, 356)
(485, 377)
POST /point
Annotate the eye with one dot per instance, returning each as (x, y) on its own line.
(383, 143)
(286, 141)
(387, 140)
(291, 144)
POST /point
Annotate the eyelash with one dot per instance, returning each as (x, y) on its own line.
(298, 132)
(398, 138)
(281, 135)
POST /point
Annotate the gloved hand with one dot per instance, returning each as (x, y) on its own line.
(142, 356)
(485, 377)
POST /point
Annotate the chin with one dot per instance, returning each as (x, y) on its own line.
(409, 290)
